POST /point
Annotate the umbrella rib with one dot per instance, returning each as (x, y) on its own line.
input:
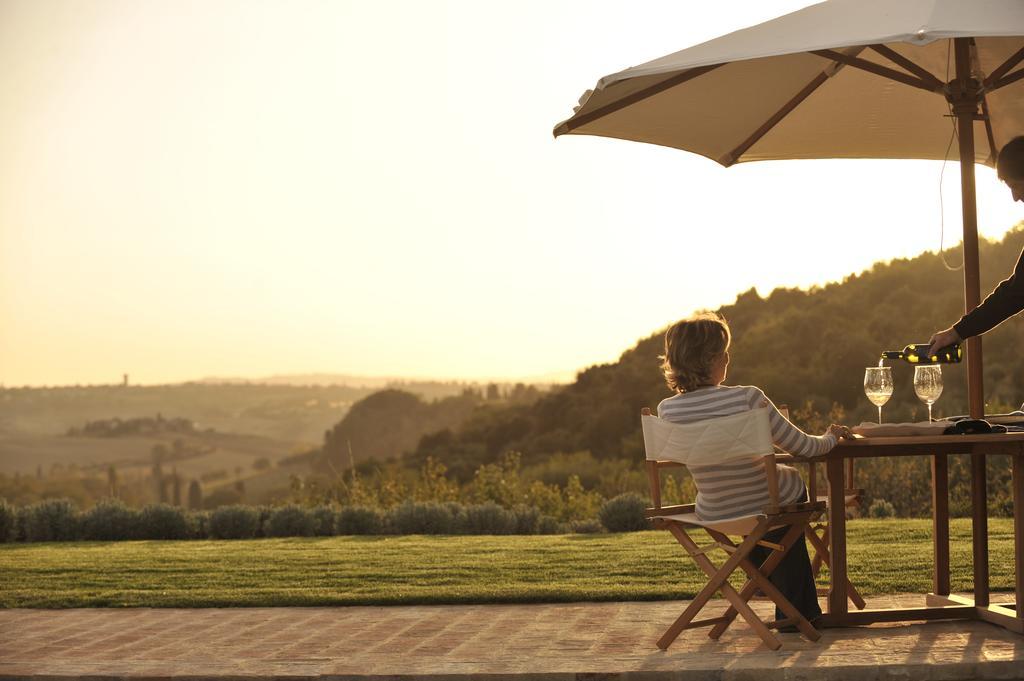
(1004, 68)
(637, 96)
(1006, 80)
(731, 157)
(879, 70)
(897, 58)
(988, 128)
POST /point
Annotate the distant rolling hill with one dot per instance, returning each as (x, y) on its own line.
(290, 413)
(236, 425)
(25, 453)
(428, 389)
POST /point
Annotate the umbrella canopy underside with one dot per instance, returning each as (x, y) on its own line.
(793, 103)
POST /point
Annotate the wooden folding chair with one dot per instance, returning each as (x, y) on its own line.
(817, 533)
(719, 440)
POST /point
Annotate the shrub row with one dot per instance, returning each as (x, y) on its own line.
(111, 520)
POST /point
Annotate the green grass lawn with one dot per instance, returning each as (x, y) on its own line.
(885, 556)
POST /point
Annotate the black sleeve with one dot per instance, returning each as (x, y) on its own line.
(1006, 300)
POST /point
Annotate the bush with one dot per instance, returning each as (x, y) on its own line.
(880, 508)
(550, 525)
(324, 521)
(110, 520)
(291, 521)
(458, 513)
(488, 518)
(162, 521)
(199, 524)
(624, 513)
(527, 519)
(263, 520)
(8, 518)
(587, 527)
(234, 522)
(1001, 507)
(51, 520)
(422, 518)
(20, 520)
(360, 520)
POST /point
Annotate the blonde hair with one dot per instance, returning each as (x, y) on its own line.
(691, 346)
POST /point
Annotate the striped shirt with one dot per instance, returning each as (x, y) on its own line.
(740, 488)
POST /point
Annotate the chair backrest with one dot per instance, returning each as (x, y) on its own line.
(726, 438)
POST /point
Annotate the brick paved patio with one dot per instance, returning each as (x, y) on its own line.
(541, 642)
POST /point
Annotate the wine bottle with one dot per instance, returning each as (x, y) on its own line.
(917, 353)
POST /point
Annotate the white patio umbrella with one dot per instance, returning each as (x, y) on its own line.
(840, 79)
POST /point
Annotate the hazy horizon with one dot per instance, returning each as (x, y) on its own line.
(371, 380)
(227, 188)
(319, 378)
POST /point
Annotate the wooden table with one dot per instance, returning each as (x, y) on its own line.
(940, 604)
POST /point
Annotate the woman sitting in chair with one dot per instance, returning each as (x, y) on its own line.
(695, 363)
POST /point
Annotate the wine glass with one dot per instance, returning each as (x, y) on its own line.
(928, 384)
(878, 386)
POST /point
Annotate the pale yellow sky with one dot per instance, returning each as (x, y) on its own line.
(246, 188)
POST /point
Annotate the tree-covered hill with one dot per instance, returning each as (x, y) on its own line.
(798, 345)
(391, 422)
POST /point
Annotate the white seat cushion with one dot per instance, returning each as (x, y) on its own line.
(742, 525)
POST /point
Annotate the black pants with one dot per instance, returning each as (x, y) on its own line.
(793, 575)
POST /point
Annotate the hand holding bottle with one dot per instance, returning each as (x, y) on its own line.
(941, 339)
(922, 353)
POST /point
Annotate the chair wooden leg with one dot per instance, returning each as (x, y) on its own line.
(702, 597)
(819, 556)
(766, 569)
(855, 597)
(686, 618)
(718, 577)
(740, 604)
(766, 587)
(821, 547)
(763, 583)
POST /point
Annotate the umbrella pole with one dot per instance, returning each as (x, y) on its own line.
(965, 98)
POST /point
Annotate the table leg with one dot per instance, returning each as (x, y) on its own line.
(940, 524)
(979, 526)
(1018, 530)
(837, 527)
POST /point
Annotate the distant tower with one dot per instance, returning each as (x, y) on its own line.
(125, 381)
(195, 495)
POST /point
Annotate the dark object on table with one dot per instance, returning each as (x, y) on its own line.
(969, 426)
